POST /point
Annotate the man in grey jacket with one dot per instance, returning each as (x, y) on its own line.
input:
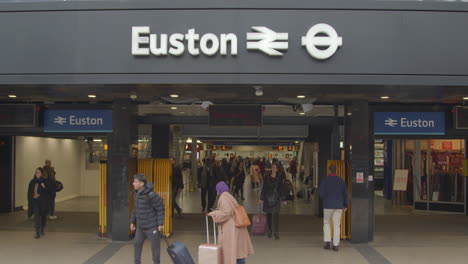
(147, 217)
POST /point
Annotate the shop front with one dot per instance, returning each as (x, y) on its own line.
(419, 160)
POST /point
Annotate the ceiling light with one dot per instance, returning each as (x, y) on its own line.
(198, 141)
(297, 142)
(302, 113)
(301, 96)
(173, 108)
(189, 140)
(465, 98)
(92, 96)
(384, 97)
(97, 140)
(174, 96)
(12, 95)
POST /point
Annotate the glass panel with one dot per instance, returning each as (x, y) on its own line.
(446, 180)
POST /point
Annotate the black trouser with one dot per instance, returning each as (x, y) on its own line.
(153, 236)
(39, 220)
(239, 188)
(254, 185)
(175, 206)
(211, 198)
(52, 204)
(273, 217)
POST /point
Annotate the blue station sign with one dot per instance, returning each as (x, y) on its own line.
(78, 121)
(409, 123)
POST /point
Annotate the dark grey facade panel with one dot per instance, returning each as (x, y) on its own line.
(379, 47)
(38, 5)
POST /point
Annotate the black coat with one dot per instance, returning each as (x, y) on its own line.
(148, 208)
(41, 204)
(177, 179)
(271, 194)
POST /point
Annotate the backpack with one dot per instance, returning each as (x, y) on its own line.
(58, 186)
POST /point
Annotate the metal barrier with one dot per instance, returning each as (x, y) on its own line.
(346, 176)
(103, 200)
(159, 172)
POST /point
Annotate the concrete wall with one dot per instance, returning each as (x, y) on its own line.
(68, 158)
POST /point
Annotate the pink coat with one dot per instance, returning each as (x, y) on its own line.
(235, 242)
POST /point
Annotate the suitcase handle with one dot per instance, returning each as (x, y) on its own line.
(208, 231)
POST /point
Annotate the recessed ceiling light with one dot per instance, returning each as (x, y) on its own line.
(92, 96)
(174, 95)
(384, 97)
(12, 95)
(302, 113)
(97, 140)
(465, 98)
(173, 108)
(301, 96)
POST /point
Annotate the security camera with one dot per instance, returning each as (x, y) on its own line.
(258, 90)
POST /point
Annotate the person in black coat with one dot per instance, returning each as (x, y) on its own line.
(239, 180)
(38, 201)
(271, 198)
(177, 186)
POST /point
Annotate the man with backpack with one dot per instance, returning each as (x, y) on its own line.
(147, 217)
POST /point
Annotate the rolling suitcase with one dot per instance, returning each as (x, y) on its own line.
(179, 253)
(259, 223)
(210, 253)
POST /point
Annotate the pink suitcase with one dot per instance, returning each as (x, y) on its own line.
(259, 223)
(210, 253)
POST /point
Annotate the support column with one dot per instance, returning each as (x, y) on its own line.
(362, 199)
(119, 155)
(160, 139)
(194, 159)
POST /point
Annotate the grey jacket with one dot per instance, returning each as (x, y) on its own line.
(148, 208)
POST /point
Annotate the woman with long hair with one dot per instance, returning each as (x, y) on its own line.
(271, 197)
(38, 200)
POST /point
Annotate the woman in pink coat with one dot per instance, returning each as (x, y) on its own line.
(235, 242)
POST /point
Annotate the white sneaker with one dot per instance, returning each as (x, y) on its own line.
(53, 217)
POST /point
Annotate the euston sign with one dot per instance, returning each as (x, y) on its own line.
(321, 42)
(409, 123)
(78, 121)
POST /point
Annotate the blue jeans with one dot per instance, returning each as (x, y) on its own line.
(241, 261)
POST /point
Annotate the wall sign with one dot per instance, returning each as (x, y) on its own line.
(409, 123)
(321, 42)
(400, 180)
(78, 121)
(360, 177)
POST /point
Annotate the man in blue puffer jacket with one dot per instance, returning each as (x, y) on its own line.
(147, 217)
(334, 193)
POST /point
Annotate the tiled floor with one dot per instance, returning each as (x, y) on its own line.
(401, 236)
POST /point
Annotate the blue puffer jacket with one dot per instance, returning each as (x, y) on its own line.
(148, 208)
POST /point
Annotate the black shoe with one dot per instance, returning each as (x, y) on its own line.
(37, 236)
(269, 234)
(327, 245)
(277, 236)
(179, 211)
(335, 248)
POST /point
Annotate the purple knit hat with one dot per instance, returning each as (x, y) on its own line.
(221, 187)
